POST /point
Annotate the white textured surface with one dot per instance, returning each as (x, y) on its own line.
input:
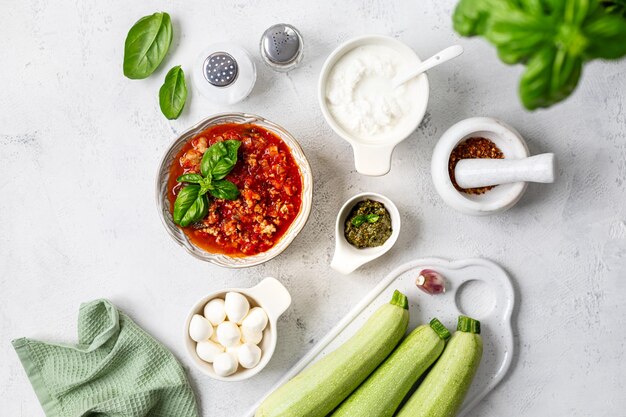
(80, 144)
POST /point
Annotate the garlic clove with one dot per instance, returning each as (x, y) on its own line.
(431, 282)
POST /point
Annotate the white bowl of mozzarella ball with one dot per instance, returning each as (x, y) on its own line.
(231, 334)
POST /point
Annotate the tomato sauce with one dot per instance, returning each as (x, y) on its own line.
(270, 186)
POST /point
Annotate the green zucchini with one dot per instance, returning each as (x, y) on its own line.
(321, 387)
(381, 394)
(442, 392)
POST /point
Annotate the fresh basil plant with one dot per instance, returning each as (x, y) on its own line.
(173, 93)
(147, 44)
(553, 38)
(192, 202)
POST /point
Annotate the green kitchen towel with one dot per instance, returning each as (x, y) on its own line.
(116, 370)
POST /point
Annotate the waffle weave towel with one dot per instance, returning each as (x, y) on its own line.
(116, 370)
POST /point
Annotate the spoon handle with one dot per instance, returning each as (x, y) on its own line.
(471, 173)
(439, 58)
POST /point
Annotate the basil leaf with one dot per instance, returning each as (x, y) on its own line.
(550, 76)
(146, 45)
(359, 220)
(196, 212)
(173, 93)
(220, 159)
(372, 218)
(205, 185)
(362, 218)
(189, 206)
(190, 178)
(224, 190)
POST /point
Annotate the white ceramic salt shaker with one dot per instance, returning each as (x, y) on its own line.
(224, 73)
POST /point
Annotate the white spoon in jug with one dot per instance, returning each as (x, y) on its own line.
(439, 58)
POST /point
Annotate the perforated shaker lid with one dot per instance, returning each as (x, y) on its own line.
(281, 44)
(224, 73)
(220, 69)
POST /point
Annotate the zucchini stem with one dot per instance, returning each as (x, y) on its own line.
(468, 325)
(441, 330)
(400, 300)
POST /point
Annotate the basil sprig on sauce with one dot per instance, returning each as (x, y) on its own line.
(147, 44)
(362, 218)
(192, 202)
(173, 93)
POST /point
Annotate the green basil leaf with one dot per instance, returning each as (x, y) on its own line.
(224, 190)
(173, 93)
(617, 7)
(359, 220)
(606, 35)
(190, 178)
(372, 218)
(551, 75)
(362, 218)
(189, 206)
(196, 212)
(146, 45)
(220, 159)
(205, 185)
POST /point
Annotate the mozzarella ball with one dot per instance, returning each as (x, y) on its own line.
(214, 311)
(228, 334)
(234, 348)
(213, 337)
(225, 364)
(200, 328)
(255, 320)
(207, 350)
(250, 336)
(249, 355)
(237, 307)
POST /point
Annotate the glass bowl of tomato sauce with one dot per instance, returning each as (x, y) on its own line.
(274, 183)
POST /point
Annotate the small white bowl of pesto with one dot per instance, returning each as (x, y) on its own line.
(367, 226)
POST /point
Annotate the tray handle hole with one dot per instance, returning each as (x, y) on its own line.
(475, 298)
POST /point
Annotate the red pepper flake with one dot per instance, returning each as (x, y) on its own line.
(473, 148)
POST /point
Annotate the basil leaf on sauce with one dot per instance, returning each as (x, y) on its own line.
(146, 45)
(362, 218)
(173, 93)
(220, 159)
(224, 190)
(190, 178)
(189, 206)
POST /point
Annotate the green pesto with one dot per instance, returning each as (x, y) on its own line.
(369, 233)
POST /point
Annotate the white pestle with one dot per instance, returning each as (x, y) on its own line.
(483, 172)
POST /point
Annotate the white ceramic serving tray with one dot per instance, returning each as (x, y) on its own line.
(474, 287)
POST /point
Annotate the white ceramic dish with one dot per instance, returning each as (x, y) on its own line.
(371, 158)
(347, 258)
(475, 287)
(163, 204)
(496, 200)
(272, 297)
